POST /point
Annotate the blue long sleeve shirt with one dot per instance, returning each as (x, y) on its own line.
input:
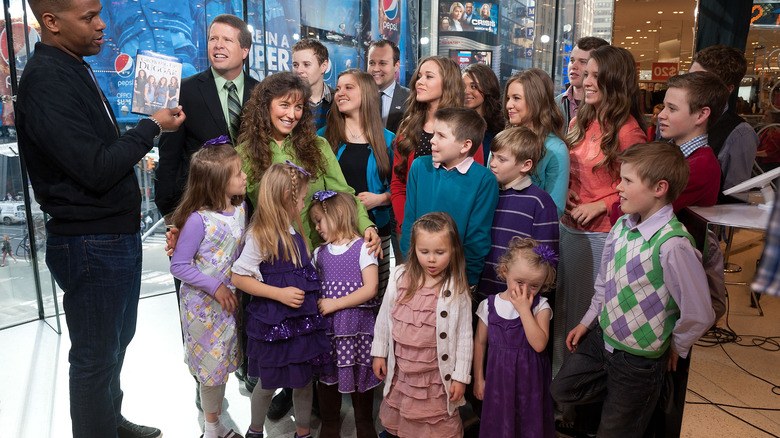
(470, 198)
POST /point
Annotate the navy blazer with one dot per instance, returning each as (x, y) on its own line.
(397, 108)
(205, 121)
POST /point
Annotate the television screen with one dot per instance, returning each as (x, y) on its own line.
(468, 57)
(468, 17)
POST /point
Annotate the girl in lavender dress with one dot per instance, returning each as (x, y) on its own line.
(423, 342)
(287, 343)
(212, 220)
(350, 279)
(516, 324)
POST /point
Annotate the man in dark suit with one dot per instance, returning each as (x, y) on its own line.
(206, 96)
(384, 60)
(212, 112)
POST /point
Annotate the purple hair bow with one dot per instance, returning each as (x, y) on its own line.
(300, 169)
(547, 254)
(222, 139)
(323, 195)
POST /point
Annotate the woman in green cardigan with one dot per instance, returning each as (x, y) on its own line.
(276, 126)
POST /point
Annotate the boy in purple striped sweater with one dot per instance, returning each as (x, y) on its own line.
(523, 209)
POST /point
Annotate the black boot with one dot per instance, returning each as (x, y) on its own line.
(280, 404)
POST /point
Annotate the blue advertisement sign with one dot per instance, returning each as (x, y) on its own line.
(179, 28)
(341, 58)
(529, 52)
(170, 27)
(272, 49)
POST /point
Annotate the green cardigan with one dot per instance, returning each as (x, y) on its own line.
(333, 179)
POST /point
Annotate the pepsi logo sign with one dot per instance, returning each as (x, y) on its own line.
(391, 8)
(123, 64)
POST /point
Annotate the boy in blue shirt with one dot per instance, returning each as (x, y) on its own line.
(651, 300)
(449, 180)
(523, 209)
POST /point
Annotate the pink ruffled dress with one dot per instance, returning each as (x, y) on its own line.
(416, 405)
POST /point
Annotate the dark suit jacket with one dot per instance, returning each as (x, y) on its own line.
(205, 121)
(397, 108)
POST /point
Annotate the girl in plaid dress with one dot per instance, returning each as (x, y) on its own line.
(212, 221)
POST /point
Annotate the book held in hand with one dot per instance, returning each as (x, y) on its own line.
(156, 82)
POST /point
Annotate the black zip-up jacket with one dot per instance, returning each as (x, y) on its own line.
(79, 166)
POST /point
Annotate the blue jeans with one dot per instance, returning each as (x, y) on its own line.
(629, 385)
(101, 277)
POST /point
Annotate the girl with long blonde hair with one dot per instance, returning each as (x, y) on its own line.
(287, 343)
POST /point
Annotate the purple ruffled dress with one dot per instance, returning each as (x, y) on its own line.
(517, 400)
(287, 346)
(351, 330)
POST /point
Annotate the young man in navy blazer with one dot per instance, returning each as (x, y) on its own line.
(384, 60)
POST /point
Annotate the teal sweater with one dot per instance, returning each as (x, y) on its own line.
(469, 198)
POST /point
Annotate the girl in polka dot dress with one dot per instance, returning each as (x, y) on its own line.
(350, 279)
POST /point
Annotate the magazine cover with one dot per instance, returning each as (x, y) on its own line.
(156, 82)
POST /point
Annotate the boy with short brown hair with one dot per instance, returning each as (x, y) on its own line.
(651, 300)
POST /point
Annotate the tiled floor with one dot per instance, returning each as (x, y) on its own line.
(160, 392)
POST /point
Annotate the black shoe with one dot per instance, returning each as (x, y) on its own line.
(132, 430)
(250, 434)
(250, 383)
(281, 404)
(241, 373)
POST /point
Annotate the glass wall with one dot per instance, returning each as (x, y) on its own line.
(176, 28)
(22, 230)
(509, 36)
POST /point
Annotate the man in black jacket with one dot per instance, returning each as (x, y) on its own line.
(205, 98)
(82, 171)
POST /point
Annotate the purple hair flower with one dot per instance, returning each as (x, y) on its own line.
(323, 195)
(300, 169)
(547, 254)
(222, 139)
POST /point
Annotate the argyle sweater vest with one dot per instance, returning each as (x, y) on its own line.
(639, 312)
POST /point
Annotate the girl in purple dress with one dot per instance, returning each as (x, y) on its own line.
(516, 324)
(287, 343)
(212, 219)
(350, 279)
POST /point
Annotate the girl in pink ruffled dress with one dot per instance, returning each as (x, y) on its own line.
(423, 339)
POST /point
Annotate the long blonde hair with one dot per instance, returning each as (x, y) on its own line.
(453, 93)
(210, 173)
(276, 212)
(456, 270)
(370, 121)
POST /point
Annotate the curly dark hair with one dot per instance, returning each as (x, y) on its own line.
(487, 84)
(257, 130)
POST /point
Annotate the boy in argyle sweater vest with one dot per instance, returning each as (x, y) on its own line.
(651, 300)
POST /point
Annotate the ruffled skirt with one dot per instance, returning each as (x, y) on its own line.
(416, 405)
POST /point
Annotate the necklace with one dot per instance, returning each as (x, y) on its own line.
(354, 137)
